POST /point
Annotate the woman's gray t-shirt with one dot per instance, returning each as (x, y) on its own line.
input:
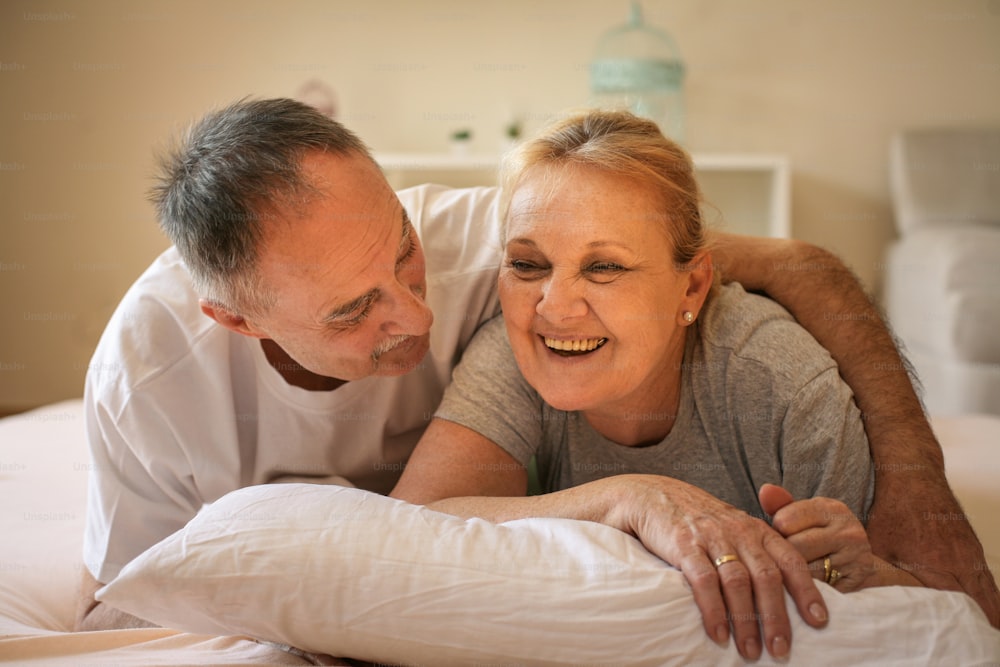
(761, 401)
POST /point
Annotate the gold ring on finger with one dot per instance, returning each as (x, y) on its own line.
(728, 558)
(830, 573)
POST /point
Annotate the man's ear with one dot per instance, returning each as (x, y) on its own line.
(229, 319)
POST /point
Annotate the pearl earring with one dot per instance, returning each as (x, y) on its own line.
(688, 316)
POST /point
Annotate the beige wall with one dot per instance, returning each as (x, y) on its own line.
(89, 89)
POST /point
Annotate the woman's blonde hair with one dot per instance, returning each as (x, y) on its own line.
(619, 143)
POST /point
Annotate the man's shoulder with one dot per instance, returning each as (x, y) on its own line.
(459, 227)
(153, 328)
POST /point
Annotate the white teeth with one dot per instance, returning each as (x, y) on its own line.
(578, 345)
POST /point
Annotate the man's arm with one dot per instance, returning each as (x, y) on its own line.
(94, 615)
(828, 300)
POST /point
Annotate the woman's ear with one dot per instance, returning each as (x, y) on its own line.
(228, 319)
(700, 278)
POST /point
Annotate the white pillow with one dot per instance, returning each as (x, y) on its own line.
(350, 573)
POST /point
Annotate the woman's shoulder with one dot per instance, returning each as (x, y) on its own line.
(733, 313)
(490, 348)
(754, 329)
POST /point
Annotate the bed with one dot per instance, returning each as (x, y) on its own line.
(400, 607)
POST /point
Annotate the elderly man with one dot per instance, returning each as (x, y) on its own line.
(307, 318)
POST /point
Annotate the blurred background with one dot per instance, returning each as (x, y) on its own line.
(89, 91)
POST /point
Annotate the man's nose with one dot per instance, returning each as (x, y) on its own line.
(410, 314)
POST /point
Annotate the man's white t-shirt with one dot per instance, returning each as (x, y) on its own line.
(180, 411)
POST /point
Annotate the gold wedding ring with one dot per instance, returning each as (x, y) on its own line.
(728, 558)
(830, 573)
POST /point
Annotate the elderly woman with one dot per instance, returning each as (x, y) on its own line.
(619, 355)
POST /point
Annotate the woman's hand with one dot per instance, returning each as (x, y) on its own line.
(822, 528)
(692, 530)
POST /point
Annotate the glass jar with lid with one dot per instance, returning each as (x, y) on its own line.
(639, 68)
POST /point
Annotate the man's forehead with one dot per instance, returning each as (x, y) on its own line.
(350, 215)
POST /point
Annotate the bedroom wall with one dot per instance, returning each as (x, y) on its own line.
(89, 90)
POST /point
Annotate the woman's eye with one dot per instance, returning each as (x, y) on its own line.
(605, 267)
(522, 266)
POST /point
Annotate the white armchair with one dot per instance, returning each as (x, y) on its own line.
(942, 289)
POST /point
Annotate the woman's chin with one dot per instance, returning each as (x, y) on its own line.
(567, 401)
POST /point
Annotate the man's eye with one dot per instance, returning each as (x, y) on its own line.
(352, 319)
(349, 321)
(411, 250)
(357, 319)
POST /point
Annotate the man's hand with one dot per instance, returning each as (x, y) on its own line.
(692, 530)
(923, 530)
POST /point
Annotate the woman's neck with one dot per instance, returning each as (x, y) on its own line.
(646, 416)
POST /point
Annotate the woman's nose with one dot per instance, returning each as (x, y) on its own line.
(561, 298)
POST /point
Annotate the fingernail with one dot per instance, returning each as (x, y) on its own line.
(722, 635)
(751, 649)
(818, 612)
(779, 647)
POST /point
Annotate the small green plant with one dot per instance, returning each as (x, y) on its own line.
(461, 135)
(513, 130)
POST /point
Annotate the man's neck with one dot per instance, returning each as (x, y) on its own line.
(293, 372)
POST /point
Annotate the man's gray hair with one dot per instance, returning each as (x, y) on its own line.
(234, 171)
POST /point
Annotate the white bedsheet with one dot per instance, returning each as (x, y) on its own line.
(43, 482)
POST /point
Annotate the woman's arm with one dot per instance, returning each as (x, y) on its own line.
(827, 299)
(452, 460)
(456, 470)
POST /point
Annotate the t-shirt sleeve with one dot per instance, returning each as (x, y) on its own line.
(489, 395)
(824, 449)
(129, 508)
(786, 404)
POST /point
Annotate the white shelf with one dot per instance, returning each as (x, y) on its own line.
(744, 193)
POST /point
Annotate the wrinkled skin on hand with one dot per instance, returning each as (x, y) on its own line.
(689, 528)
(942, 553)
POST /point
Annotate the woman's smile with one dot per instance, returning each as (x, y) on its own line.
(573, 347)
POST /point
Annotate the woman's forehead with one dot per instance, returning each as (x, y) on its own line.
(557, 193)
